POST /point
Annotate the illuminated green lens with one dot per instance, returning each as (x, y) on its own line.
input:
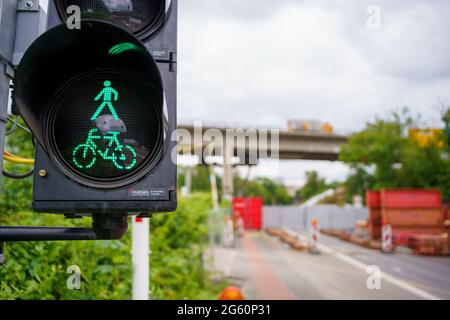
(107, 125)
(85, 154)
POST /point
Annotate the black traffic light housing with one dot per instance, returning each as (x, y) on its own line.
(101, 102)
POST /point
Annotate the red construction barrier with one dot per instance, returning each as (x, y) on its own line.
(412, 208)
(446, 211)
(430, 244)
(413, 217)
(411, 198)
(373, 199)
(250, 210)
(408, 211)
(403, 236)
(374, 230)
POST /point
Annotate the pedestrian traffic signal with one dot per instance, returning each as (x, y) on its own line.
(101, 103)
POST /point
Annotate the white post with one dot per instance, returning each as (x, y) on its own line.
(386, 238)
(227, 179)
(140, 234)
(213, 182)
(188, 180)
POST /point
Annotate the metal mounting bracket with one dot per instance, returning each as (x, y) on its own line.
(28, 5)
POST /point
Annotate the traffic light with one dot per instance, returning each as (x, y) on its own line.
(101, 103)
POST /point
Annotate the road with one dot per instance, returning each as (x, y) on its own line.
(266, 268)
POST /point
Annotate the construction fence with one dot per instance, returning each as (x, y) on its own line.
(299, 217)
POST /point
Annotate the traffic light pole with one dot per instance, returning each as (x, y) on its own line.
(103, 228)
(13, 234)
(8, 13)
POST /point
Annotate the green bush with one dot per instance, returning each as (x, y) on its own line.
(178, 242)
(37, 270)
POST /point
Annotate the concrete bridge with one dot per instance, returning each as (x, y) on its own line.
(292, 145)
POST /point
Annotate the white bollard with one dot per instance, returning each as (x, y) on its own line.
(140, 249)
(314, 235)
(229, 232)
(240, 226)
(386, 238)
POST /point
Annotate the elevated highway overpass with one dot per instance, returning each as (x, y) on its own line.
(292, 145)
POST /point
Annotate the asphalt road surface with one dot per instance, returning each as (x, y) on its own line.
(266, 268)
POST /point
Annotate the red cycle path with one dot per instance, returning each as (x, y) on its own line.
(269, 286)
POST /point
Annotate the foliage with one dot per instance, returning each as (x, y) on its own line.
(200, 179)
(178, 242)
(314, 185)
(358, 182)
(37, 270)
(382, 156)
(271, 192)
(16, 194)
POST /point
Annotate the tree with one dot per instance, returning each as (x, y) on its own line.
(383, 156)
(200, 178)
(380, 146)
(314, 185)
(271, 192)
(358, 182)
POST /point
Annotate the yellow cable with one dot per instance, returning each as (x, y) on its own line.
(14, 157)
(9, 154)
(18, 160)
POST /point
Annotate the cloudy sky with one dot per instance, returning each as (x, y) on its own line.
(261, 62)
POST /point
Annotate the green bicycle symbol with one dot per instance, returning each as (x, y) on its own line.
(122, 156)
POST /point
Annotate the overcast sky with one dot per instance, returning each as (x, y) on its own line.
(261, 62)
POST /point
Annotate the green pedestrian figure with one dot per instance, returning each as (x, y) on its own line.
(107, 93)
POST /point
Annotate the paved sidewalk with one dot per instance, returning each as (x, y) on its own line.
(246, 267)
